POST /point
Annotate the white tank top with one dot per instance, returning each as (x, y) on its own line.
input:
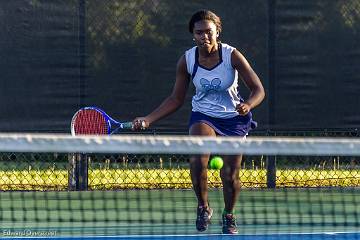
(216, 88)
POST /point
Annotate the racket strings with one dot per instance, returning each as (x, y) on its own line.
(90, 121)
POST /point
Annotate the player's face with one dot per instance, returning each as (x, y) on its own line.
(205, 34)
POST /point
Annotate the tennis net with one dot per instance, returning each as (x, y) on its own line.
(140, 185)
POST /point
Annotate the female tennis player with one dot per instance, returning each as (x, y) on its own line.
(217, 108)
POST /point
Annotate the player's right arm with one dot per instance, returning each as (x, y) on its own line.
(172, 102)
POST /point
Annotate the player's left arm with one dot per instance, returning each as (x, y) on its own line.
(251, 80)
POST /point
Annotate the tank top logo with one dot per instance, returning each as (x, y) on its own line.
(211, 88)
(210, 85)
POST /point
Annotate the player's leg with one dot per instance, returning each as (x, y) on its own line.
(198, 172)
(231, 187)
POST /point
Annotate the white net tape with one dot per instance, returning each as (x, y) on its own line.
(148, 144)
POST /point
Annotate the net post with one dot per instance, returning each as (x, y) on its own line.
(271, 171)
(78, 172)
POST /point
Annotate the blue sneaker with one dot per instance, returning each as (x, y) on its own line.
(204, 215)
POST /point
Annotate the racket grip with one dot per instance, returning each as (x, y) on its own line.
(143, 125)
(127, 125)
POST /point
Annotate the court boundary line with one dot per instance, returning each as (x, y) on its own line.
(178, 236)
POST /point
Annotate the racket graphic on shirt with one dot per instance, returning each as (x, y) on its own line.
(94, 121)
(214, 84)
(211, 87)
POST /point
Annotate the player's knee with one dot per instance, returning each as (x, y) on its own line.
(229, 176)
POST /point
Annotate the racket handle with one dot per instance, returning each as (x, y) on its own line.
(130, 125)
(127, 125)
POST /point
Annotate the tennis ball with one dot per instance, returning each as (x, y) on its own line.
(216, 163)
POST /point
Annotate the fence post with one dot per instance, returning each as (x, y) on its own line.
(82, 50)
(271, 171)
(271, 165)
(78, 172)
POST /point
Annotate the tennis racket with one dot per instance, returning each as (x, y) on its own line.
(94, 121)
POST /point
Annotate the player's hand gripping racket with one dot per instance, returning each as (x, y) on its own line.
(94, 121)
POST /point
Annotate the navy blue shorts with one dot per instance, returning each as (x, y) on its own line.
(236, 126)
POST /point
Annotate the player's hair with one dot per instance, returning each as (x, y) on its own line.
(204, 15)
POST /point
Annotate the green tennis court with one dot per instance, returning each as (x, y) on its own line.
(142, 212)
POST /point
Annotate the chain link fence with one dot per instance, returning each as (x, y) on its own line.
(51, 171)
(306, 52)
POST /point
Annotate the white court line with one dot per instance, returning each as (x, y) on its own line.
(185, 235)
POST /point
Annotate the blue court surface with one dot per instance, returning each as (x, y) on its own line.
(292, 236)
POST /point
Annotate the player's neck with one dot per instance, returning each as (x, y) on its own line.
(209, 52)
